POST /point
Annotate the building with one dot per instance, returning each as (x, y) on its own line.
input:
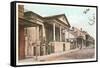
(21, 45)
(79, 38)
(40, 36)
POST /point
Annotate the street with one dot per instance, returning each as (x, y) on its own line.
(85, 53)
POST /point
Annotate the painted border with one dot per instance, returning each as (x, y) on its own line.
(13, 33)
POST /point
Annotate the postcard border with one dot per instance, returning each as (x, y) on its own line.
(13, 33)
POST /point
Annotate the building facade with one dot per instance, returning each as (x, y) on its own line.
(40, 36)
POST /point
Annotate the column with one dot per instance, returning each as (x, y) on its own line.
(37, 33)
(60, 35)
(36, 43)
(53, 31)
(65, 35)
(43, 32)
(68, 34)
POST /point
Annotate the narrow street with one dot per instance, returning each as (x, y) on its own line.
(78, 54)
(85, 53)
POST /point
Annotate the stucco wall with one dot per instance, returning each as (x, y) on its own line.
(58, 46)
(21, 46)
(31, 40)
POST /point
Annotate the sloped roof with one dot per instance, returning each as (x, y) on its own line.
(30, 13)
(56, 18)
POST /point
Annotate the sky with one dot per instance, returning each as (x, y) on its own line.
(74, 14)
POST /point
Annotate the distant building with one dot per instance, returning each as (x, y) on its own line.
(79, 38)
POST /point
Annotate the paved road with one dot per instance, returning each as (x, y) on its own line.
(79, 54)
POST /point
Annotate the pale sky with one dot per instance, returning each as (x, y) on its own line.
(74, 14)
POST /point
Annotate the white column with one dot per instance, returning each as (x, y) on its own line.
(53, 31)
(64, 34)
(43, 31)
(65, 37)
(68, 33)
(60, 35)
(36, 33)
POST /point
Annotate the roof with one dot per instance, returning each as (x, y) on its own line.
(56, 18)
(30, 13)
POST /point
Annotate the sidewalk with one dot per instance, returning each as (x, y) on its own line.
(46, 57)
